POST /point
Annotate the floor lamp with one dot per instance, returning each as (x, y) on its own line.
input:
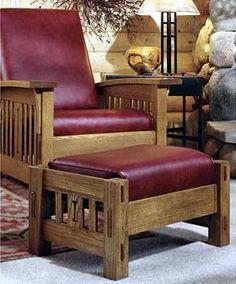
(169, 10)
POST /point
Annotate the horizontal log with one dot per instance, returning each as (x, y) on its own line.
(148, 23)
(115, 62)
(30, 4)
(176, 117)
(185, 24)
(175, 104)
(120, 42)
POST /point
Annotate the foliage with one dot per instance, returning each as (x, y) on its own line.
(99, 16)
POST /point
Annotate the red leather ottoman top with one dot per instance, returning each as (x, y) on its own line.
(151, 170)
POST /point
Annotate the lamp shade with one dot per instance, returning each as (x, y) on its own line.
(181, 7)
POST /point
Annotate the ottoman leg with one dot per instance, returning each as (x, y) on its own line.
(36, 244)
(219, 227)
(116, 230)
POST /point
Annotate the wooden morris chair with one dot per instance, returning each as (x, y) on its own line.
(45, 49)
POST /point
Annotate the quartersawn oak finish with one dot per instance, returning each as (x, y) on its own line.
(51, 219)
(27, 113)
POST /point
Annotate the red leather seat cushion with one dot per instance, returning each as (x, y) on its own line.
(150, 169)
(42, 44)
(76, 122)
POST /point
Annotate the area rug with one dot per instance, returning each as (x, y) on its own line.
(14, 221)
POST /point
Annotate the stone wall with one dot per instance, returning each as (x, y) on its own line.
(221, 143)
(222, 84)
(213, 56)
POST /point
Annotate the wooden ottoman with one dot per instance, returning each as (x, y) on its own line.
(94, 202)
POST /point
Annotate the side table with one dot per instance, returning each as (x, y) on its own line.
(192, 86)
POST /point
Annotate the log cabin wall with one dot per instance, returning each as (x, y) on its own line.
(109, 55)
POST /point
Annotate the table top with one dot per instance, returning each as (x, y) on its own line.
(162, 82)
(192, 85)
(178, 75)
(223, 130)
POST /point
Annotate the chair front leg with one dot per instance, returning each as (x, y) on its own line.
(36, 212)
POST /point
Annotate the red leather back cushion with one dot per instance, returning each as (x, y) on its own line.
(42, 44)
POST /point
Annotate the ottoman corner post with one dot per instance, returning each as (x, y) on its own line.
(116, 236)
(219, 227)
(36, 244)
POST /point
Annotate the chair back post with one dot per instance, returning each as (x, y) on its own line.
(47, 116)
(159, 112)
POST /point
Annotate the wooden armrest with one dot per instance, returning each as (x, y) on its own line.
(141, 81)
(28, 84)
(144, 89)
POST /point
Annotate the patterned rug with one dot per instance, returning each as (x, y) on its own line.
(14, 221)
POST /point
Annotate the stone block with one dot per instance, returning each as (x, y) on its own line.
(213, 147)
(222, 49)
(234, 50)
(228, 153)
(206, 93)
(224, 131)
(202, 48)
(192, 121)
(206, 71)
(223, 14)
(222, 94)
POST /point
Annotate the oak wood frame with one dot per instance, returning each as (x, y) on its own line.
(122, 218)
(27, 121)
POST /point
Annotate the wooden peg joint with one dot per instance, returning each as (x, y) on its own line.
(109, 223)
(225, 224)
(122, 252)
(32, 202)
(225, 173)
(122, 193)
